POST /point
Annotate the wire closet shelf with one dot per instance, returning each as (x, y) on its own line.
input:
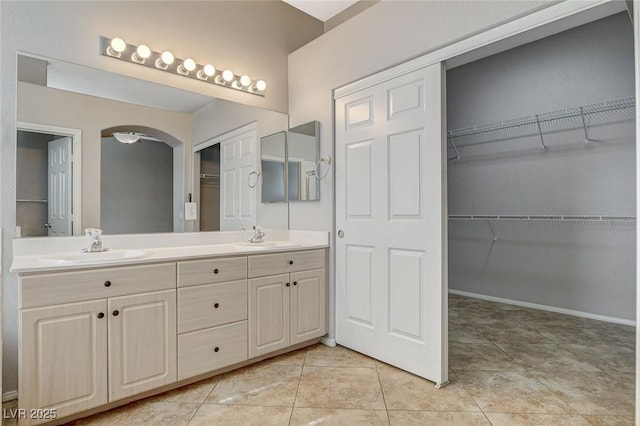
(561, 218)
(563, 114)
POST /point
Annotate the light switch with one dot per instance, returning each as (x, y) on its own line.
(190, 211)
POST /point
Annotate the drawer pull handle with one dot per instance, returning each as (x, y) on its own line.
(295, 283)
(216, 349)
(100, 315)
(291, 262)
(287, 284)
(215, 271)
(216, 305)
(116, 313)
(107, 283)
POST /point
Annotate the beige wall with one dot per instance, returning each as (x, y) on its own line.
(43, 105)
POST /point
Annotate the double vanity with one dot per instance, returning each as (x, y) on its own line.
(101, 329)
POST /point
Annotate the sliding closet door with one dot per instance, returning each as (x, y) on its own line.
(391, 222)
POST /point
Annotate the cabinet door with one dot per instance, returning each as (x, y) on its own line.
(308, 305)
(269, 318)
(63, 358)
(142, 343)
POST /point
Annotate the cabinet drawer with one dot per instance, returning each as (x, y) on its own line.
(197, 351)
(209, 305)
(210, 271)
(65, 287)
(280, 263)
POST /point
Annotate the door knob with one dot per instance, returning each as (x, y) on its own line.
(116, 313)
(47, 225)
(341, 233)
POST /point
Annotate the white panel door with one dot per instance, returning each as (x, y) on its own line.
(391, 208)
(60, 180)
(238, 158)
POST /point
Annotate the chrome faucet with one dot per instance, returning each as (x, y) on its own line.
(96, 241)
(258, 235)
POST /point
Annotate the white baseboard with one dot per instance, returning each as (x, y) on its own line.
(328, 342)
(545, 308)
(10, 396)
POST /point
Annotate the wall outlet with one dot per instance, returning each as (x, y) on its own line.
(190, 211)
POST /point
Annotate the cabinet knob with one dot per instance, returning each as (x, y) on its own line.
(107, 283)
(295, 283)
(291, 262)
(287, 284)
(216, 349)
(116, 313)
(101, 315)
(215, 271)
(216, 305)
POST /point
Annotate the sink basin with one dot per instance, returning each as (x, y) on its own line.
(96, 257)
(267, 245)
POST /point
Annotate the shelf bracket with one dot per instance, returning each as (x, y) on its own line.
(493, 232)
(543, 147)
(455, 148)
(584, 126)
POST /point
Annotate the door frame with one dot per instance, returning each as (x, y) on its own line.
(195, 181)
(545, 22)
(76, 165)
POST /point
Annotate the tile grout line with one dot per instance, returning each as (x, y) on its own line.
(293, 406)
(384, 399)
(204, 401)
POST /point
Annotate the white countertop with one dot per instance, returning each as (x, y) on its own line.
(155, 249)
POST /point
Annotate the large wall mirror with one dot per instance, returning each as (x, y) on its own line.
(71, 113)
(289, 162)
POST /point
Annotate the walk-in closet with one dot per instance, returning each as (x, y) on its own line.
(542, 219)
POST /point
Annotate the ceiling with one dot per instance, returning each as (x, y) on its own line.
(321, 9)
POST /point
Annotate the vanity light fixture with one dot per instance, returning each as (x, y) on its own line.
(165, 61)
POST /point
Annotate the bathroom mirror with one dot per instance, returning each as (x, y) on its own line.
(58, 95)
(303, 144)
(272, 162)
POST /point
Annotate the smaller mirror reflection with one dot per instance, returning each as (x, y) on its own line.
(302, 156)
(273, 160)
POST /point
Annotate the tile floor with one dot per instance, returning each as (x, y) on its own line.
(509, 366)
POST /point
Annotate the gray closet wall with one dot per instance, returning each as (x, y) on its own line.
(582, 266)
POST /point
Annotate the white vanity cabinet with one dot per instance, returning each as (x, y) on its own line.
(212, 314)
(80, 355)
(98, 337)
(288, 305)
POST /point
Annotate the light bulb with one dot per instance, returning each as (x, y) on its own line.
(261, 85)
(141, 54)
(206, 72)
(245, 81)
(116, 47)
(186, 66)
(189, 64)
(143, 51)
(167, 57)
(209, 70)
(227, 75)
